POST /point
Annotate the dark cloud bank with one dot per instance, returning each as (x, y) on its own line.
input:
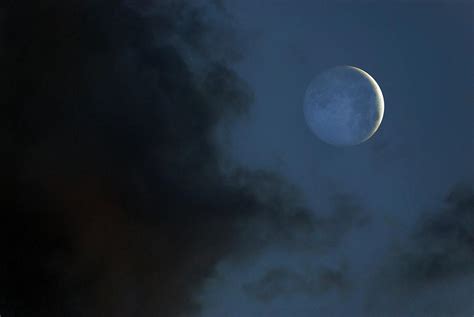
(114, 203)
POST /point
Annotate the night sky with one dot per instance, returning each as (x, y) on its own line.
(156, 160)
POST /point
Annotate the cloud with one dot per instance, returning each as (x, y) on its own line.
(324, 233)
(116, 204)
(443, 241)
(432, 272)
(287, 223)
(284, 282)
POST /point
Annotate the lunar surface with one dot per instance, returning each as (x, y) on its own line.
(343, 106)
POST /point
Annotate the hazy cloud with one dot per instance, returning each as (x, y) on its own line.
(285, 282)
(432, 272)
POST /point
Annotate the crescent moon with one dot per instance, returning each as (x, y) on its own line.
(379, 96)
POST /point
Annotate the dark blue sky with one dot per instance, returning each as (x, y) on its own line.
(421, 54)
(157, 162)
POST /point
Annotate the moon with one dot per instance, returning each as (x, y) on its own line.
(343, 106)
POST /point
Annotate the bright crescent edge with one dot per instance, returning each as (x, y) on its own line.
(380, 103)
